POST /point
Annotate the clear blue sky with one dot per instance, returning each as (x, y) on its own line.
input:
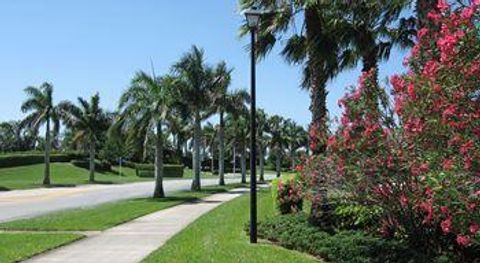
(88, 46)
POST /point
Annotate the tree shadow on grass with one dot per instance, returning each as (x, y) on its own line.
(101, 182)
(60, 186)
(186, 199)
(3, 188)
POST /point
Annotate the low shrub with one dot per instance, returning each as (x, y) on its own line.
(29, 158)
(288, 194)
(100, 166)
(294, 232)
(351, 216)
(169, 170)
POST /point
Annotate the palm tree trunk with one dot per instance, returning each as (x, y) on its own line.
(318, 106)
(292, 158)
(221, 154)
(196, 153)
(158, 191)
(234, 160)
(278, 163)
(212, 161)
(145, 149)
(262, 164)
(92, 160)
(243, 164)
(318, 93)
(46, 173)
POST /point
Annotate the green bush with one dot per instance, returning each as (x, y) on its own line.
(294, 232)
(100, 166)
(169, 170)
(21, 159)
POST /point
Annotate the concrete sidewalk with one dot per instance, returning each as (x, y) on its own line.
(135, 240)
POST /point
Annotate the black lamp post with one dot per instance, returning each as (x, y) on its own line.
(253, 18)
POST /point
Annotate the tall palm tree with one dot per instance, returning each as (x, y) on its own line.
(210, 141)
(309, 42)
(196, 83)
(144, 107)
(277, 142)
(296, 138)
(262, 140)
(220, 102)
(42, 111)
(233, 102)
(179, 129)
(88, 121)
(368, 30)
(239, 130)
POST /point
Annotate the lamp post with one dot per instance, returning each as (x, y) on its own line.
(253, 18)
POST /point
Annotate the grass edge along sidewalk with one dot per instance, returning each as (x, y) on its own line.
(133, 241)
(16, 246)
(220, 236)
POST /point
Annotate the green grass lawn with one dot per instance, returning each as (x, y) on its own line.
(62, 174)
(220, 236)
(65, 174)
(107, 215)
(188, 174)
(15, 247)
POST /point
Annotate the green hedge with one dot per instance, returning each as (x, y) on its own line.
(21, 159)
(100, 166)
(169, 170)
(294, 232)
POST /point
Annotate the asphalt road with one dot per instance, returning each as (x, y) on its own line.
(28, 203)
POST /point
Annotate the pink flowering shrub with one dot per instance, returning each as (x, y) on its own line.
(289, 196)
(425, 173)
(437, 105)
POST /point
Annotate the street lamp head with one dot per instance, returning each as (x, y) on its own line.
(253, 17)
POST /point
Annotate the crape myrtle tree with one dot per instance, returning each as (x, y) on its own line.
(88, 122)
(144, 107)
(41, 109)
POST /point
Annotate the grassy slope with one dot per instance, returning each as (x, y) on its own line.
(105, 216)
(19, 246)
(62, 174)
(219, 236)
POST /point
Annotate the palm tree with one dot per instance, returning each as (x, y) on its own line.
(42, 111)
(144, 107)
(262, 140)
(196, 83)
(88, 122)
(210, 140)
(314, 46)
(179, 129)
(238, 130)
(368, 30)
(296, 138)
(277, 142)
(228, 102)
